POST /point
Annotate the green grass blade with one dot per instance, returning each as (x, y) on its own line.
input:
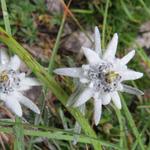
(48, 81)
(127, 12)
(19, 135)
(5, 17)
(104, 24)
(56, 46)
(132, 123)
(61, 135)
(122, 141)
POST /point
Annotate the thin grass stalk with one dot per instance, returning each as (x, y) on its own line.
(60, 135)
(19, 134)
(132, 123)
(5, 17)
(104, 24)
(56, 46)
(122, 141)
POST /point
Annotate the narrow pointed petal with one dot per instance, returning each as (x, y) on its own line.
(111, 49)
(24, 88)
(83, 97)
(97, 41)
(106, 99)
(14, 105)
(127, 57)
(71, 72)
(130, 75)
(4, 58)
(97, 110)
(30, 81)
(92, 57)
(132, 90)
(21, 76)
(3, 97)
(84, 80)
(28, 103)
(14, 63)
(74, 96)
(116, 99)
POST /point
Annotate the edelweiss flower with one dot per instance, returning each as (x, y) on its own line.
(12, 83)
(103, 76)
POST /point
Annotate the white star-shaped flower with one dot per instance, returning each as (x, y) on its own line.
(12, 83)
(103, 77)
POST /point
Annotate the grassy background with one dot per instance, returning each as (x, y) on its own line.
(33, 25)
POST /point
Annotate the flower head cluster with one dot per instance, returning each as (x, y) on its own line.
(103, 77)
(12, 83)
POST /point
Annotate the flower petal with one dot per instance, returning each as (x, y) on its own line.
(130, 75)
(3, 97)
(74, 96)
(97, 41)
(71, 72)
(131, 90)
(14, 63)
(23, 88)
(111, 49)
(4, 58)
(83, 97)
(106, 99)
(30, 81)
(116, 99)
(127, 57)
(13, 104)
(27, 102)
(97, 110)
(21, 76)
(84, 80)
(92, 57)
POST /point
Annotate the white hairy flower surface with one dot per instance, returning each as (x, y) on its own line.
(103, 76)
(12, 83)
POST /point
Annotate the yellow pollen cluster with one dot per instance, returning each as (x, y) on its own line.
(3, 77)
(111, 76)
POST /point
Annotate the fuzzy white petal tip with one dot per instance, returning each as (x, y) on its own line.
(111, 48)
(71, 72)
(116, 99)
(131, 75)
(84, 97)
(28, 103)
(127, 57)
(14, 63)
(132, 90)
(92, 57)
(14, 106)
(97, 41)
(106, 99)
(97, 110)
(30, 82)
(4, 58)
